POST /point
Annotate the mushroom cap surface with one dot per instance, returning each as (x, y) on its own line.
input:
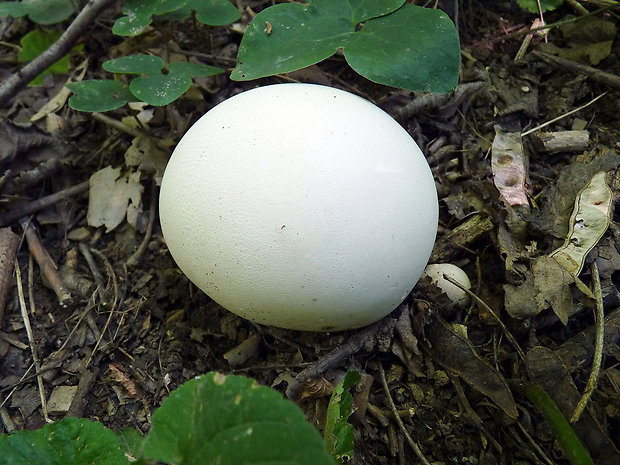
(300, 206)
(457, 295)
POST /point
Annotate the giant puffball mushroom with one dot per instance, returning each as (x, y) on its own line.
(300, 206)
(456, 295)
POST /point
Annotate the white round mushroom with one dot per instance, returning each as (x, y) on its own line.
(457, 295)
(300, 206)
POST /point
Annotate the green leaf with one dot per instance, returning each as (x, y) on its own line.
(71, 441)
(194, 69)
(135, 64)
(131, 25)
(338, 432)
(231, 420)
(139, 13)
(385, 51)
(36, 42)
(14, 9)
(363, 10)
(300, 36)
(98, 95)
(156, 87)
(377, 39)
(214, 12)
(532, 5)
(160, 89)
(49, 11)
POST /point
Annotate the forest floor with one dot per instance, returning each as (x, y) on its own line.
(124, 327)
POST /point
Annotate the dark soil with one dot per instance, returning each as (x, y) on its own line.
(135, 328)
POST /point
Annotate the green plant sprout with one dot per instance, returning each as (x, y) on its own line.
(338, 432)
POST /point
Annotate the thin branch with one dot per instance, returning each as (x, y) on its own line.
(388, 397)
(484, 305)
(598, 351)
(547, 123)
(33, 346)
(60, 48)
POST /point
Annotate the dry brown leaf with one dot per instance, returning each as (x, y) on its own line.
(113, 197)
(451, 348)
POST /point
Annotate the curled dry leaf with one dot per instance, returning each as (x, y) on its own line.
(509, 164)
(546, 285)
(113, 197)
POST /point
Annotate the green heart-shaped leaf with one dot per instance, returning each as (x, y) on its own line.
(230, 420)
(74, 441)
(160, 89)
(135, 64)
(98, 95)
(410, 47)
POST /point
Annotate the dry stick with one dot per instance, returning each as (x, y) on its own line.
(95, 272)
(492, 312)
(595, 74)
(557, 24)
(33, 347)
(135, 257)
(9, 243)
(9, 425)
(114, 302)
(599, 315)
(26, 209)
(410, 440)
(16, 385)
(523, 134)
(45, 262)
(353, 345)
(116, 124)
(61, 47)
(534, 445)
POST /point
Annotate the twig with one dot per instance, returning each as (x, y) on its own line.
(135, 257)
(410, 440)
(116, 124)
(352, 346)
(16, 385)
(599, 315)
(33, 347)
(562, 22)
(558, 118)
(97, 276)
(595, 74)
(112, 275)
(27, 208)
(87, 381)
(58, 49)
(45, 262)
(481, 302)
(8, 250)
